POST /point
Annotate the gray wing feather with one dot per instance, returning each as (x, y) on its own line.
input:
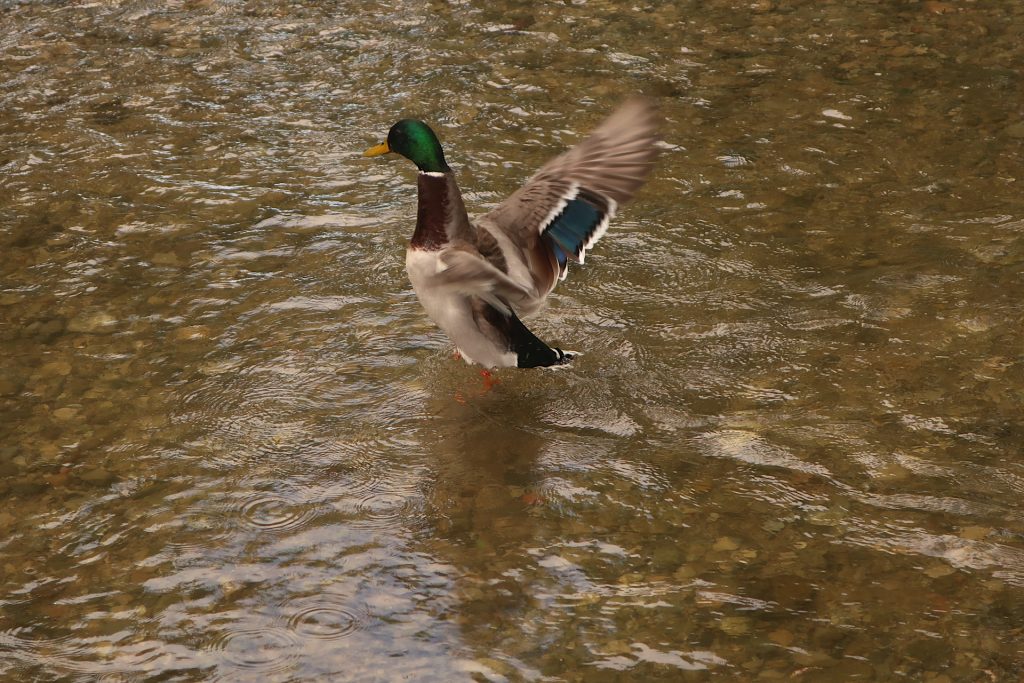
(469, 273)
(613, 162)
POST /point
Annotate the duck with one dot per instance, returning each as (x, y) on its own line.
(476, 278)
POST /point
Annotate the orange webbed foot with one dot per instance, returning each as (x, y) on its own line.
(489, 380)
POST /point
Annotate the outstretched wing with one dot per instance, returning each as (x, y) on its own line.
(565, 208)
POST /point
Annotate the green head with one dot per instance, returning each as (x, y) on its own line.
(416, 142)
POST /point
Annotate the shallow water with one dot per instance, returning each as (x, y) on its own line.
(234, 448)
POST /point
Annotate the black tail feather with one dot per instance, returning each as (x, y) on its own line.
(528, 347)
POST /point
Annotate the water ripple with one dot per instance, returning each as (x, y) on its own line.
(324, 617)
(192, 531)
(266, 650)
(386, 509)
(270, 511)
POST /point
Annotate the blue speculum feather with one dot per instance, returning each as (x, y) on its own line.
(560, 255)
(571, 229)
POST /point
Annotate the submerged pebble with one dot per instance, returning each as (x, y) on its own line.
(95, 322)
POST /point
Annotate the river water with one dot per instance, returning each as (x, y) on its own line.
(234, 448)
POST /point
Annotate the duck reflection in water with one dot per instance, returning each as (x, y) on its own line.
(486, 506)
(485, 484)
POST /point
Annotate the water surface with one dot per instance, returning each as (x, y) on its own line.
(234, 448)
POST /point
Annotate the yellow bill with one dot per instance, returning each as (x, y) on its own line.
(377, 150)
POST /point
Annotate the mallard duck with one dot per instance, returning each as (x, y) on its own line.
(475, 278)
